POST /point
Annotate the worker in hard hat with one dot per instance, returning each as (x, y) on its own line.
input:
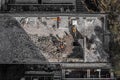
(74, 30)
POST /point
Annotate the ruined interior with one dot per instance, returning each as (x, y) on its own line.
(54, 40)
(67, 39)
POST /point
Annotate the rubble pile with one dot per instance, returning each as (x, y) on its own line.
(52, 48)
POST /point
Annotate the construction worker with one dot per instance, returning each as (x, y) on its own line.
(74, 29)
(62, 45)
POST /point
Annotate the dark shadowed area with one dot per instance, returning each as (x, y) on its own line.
(15, 44)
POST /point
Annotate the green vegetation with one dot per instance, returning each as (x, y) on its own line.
(112, 7)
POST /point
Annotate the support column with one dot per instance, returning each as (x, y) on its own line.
(75, 5)
(111, 74)
(3, 5)
(6, 2)
(99, 73)
(0, 5)
(88, 73)
(63, 73)
(85, 49)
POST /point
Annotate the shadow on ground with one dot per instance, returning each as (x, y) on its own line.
(16, 45)
(78, 49)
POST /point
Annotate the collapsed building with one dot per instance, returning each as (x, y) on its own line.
(76, 43)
